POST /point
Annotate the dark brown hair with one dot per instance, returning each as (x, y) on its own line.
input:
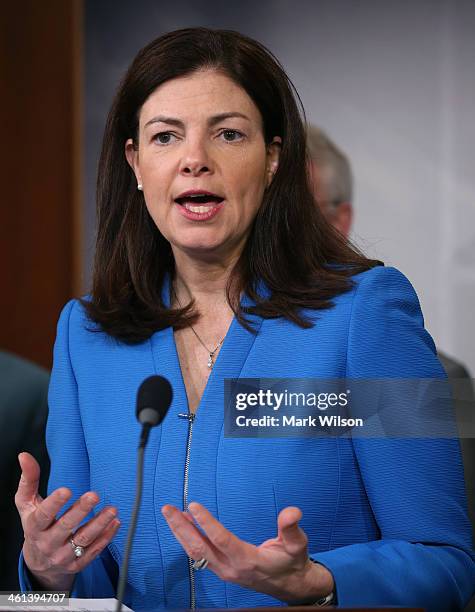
(292, 250)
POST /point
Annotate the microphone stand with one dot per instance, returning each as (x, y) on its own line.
(133, 521)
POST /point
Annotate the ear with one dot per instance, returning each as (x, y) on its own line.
(273, 155)
(132, 156)
(342, 218)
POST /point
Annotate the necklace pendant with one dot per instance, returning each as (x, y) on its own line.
(210, 361)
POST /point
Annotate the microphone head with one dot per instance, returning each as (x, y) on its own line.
(153, 400)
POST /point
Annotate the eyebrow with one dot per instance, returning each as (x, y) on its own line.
(211, 121)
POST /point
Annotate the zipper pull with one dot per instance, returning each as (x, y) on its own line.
(190, 416)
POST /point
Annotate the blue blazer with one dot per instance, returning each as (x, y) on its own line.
(388, 517)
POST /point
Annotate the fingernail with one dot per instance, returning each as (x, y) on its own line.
(116, 523)
(193, 509)
(166, 512)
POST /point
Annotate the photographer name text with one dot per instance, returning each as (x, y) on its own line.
(293, 421)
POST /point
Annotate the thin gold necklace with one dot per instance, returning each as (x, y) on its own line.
(212, 353)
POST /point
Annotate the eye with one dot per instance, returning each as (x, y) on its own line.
(163, 138)
(232, 135)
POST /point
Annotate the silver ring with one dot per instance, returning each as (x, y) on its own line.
(201, 564)
(78, 550)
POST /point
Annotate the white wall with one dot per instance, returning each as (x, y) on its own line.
(392, 82)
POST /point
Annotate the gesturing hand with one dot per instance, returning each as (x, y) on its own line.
(279, 567)
(47, 549)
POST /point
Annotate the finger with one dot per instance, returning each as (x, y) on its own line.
(96, 547)
(291, 535)
(46, 511)
(221, 538)
(195, 544)
(66, 558)
(72, 518)
(188, 517)
(88, 533)
(29, 480)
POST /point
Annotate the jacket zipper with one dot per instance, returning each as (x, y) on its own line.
(190, 416)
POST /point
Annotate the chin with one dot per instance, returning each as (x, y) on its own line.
(198, 247)
(207, 250)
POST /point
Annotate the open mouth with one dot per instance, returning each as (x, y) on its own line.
(199, 202)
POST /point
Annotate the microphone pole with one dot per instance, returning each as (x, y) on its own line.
(153, 400)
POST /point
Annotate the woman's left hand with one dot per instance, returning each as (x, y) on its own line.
(279, 567)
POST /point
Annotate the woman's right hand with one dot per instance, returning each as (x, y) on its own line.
(47, 549)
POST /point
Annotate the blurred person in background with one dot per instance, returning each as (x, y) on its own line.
(331, 180)
(23, 413)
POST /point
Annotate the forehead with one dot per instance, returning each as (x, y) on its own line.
(197, 96)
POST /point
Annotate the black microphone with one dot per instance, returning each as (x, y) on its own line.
(153, 401)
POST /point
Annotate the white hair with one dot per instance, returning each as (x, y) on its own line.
(333, 165)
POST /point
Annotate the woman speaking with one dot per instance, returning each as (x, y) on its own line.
(212, 263)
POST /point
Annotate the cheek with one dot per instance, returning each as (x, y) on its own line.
(250, 181)
(157, 181)
(156, 202)
(157, 169)
(255, 190)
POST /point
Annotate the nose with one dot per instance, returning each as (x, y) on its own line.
(195, 161)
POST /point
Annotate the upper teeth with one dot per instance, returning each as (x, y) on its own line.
(198, 209)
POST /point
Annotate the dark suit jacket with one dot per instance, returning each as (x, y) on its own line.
(457, 371)
(23, 412)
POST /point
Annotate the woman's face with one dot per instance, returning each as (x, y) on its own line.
(203, 164)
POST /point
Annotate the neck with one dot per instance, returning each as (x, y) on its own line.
(200, 280)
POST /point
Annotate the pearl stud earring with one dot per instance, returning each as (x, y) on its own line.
(140, 187)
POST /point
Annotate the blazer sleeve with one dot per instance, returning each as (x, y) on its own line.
(69, 457)
(415, 486)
